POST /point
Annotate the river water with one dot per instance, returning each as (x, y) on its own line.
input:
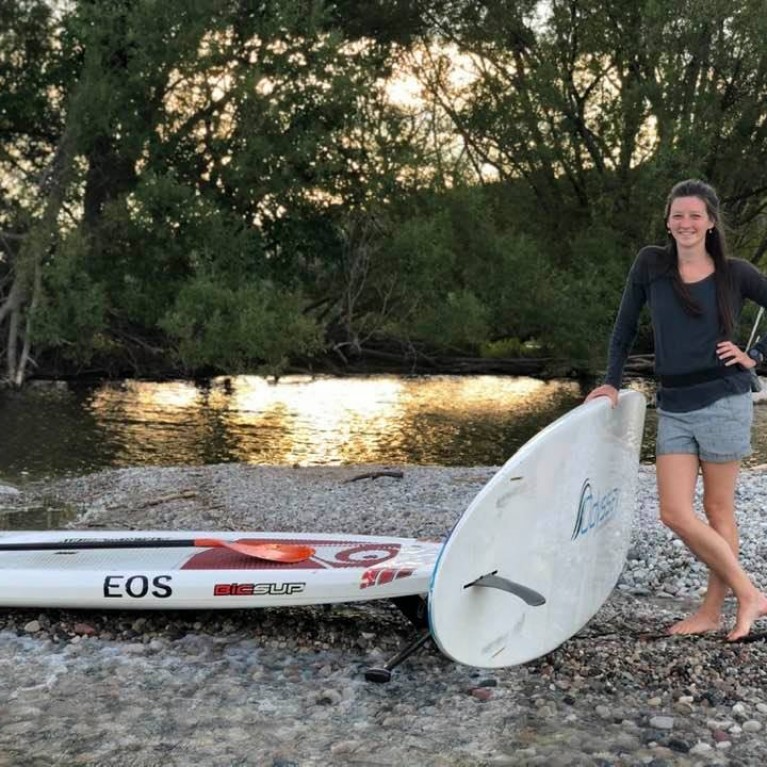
(58, 429)
(51, 430)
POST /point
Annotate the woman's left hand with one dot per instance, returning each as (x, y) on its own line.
(732, 354)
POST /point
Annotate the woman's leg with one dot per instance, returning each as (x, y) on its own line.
(676, 476)
(719, 504)
(719, 481)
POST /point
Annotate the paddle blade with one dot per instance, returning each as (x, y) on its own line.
(286, 553)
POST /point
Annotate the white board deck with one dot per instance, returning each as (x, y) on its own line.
(344, 568)
(556, 519)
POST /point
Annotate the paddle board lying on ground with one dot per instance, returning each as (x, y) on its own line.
(339, 568)
(527, 565)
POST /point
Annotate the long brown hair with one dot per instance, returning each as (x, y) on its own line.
(715, 247)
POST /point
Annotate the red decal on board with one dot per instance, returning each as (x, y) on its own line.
(329, 554)
(382, 576)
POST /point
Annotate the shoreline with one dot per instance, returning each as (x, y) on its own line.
(285, 686)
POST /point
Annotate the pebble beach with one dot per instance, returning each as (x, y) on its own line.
(286, 687)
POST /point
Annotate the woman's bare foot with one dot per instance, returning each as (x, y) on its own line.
(749, 610)
(700, 622)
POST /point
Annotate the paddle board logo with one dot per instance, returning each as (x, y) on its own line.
(594, 509)
(137, 586)
(257, 589)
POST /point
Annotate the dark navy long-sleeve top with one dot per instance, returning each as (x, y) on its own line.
(684, 343)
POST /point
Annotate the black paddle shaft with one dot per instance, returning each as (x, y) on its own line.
(118, 543)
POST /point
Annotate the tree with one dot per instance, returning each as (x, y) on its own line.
(230, 185)
(601, 106)
(35, 159)
(203, 144)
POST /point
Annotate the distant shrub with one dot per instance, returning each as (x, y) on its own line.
(505, 348)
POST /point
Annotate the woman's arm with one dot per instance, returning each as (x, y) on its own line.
(624, 332)
(626, 324)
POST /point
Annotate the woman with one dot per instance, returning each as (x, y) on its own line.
(705, 407)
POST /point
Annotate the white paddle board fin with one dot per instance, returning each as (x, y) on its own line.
(495, 581)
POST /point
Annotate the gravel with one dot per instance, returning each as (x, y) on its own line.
(286, 687)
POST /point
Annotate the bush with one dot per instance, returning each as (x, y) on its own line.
(71, 312)
(231, 329)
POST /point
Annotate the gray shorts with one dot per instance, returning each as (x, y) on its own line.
(719, 432)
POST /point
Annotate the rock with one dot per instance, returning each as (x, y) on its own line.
(678, 745)
(662, 722)
(329, 697)
(719, 724)
(625, 741)
(344, 747)
(481, 693)
(739, 710)
(84, 629)
(683, 708)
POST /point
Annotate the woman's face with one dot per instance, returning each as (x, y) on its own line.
(688, 221)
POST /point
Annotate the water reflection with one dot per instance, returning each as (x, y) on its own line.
(442, 420)
(329, 421)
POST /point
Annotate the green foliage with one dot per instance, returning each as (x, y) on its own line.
(602, 106)
(519, 284)
(241, 189)
(460, 272)
(154, 240)
(30, 107)
(458, 321)
(235, 329)
(412, 284)
(505, 348)
(71, 312)
(586, 298)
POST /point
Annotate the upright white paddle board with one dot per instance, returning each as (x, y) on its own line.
(555, 521)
